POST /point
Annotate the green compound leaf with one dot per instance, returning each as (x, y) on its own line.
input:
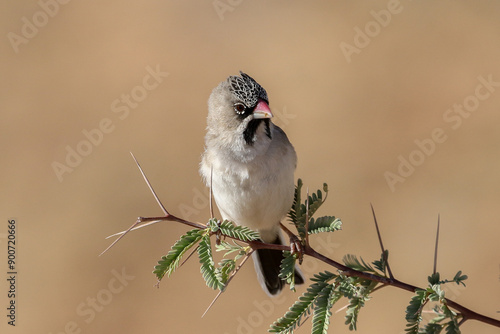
(355, 305)
(324, 224)
(298, 212)
(228, 248)
(223, 272)
(315, 201)
(347, 286)
(414, 311)
(432, 328)
(301, 308)
(445, 319)
(459, 278)
(207, 263)
(295, 210)
(352, 262)
(287, 269)
(213, 224)
(324, 302)
(381, 265)
(324, 276)
(239, 232)
(452, 325)
(169, 263)
(434, 278)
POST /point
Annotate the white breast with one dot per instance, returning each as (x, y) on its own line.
(256, 193)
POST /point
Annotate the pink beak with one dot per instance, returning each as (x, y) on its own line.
(262, 110)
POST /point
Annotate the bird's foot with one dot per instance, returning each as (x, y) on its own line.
(296, 246)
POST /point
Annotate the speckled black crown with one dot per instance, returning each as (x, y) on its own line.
(247, 90)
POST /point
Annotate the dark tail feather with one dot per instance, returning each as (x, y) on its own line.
(267, 264)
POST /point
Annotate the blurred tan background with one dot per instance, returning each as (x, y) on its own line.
(351, 102)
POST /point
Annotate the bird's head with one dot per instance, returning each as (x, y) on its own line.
(238, 110)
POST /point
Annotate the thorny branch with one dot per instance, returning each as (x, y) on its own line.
(466, 313)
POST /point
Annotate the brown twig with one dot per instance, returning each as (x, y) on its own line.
(467, 313)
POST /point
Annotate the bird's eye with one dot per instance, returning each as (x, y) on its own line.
(239, 108)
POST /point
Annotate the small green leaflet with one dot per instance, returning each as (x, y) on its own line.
(287, 269)
(231, 230)
(324, 224)
(169, 263)
(324, 302)
(207, 263)
(302, 307)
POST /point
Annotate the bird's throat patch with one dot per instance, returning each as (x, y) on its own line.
(253, 125)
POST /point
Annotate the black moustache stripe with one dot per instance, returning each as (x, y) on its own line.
(253, 125)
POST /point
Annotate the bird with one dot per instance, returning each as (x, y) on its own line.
(249, 164)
